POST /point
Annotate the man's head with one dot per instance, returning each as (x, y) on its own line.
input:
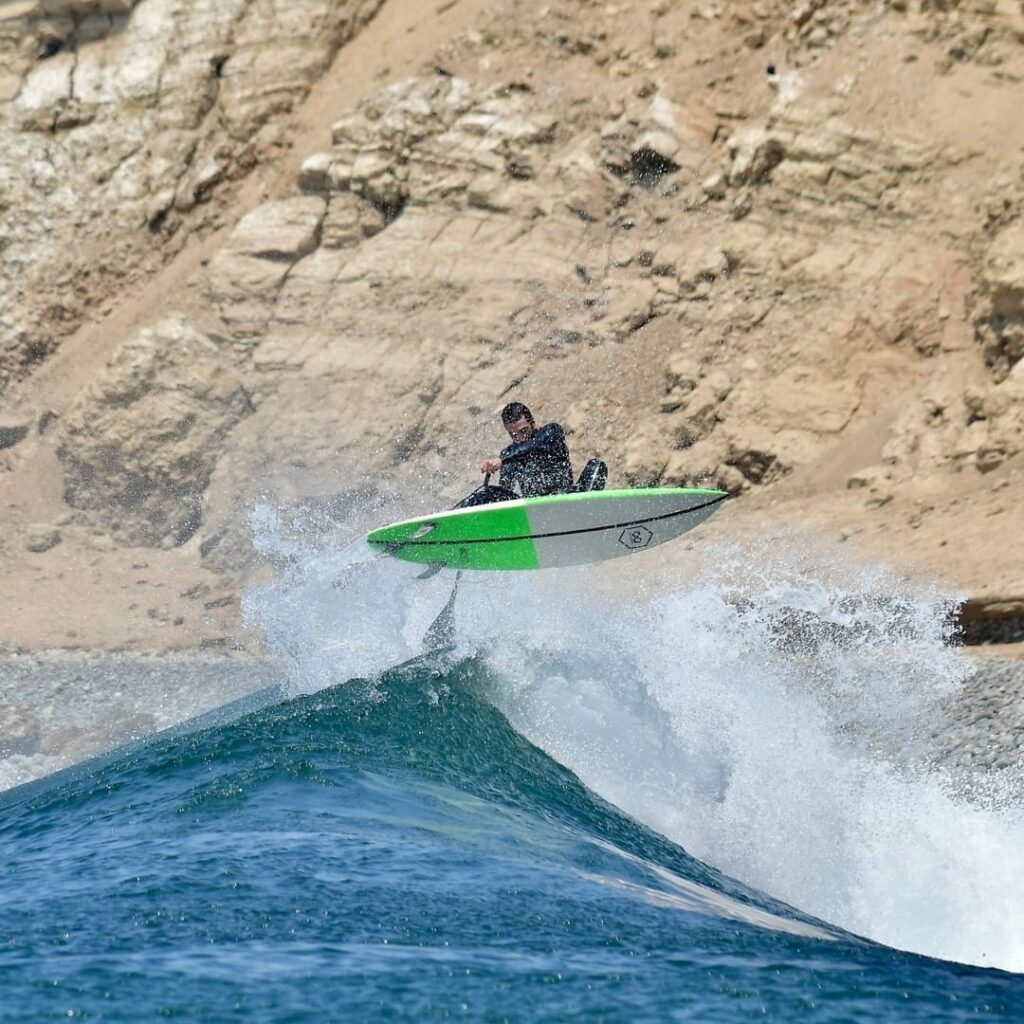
(518, 421)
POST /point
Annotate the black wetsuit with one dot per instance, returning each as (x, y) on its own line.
(538, 466)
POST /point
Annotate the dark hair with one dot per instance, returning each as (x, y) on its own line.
(514, 411)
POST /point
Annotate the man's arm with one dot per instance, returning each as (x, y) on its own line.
(544, 442)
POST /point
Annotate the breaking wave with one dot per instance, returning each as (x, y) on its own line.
(777, 716)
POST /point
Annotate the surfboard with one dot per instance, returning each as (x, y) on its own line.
(552, 531)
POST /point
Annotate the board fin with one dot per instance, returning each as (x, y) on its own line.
(432, 569)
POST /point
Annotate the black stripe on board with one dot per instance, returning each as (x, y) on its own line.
(559, 533)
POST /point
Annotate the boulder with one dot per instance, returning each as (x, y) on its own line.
(247, 273)
(1004, 271)
(995, 431)
(754, 154)
(284, 230)
(1001, 324)
(314, 172)
(46, 86)
(139, 445)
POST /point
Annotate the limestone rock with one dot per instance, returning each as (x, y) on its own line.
(871, 477)
(877, 482)
(756, 453)
(645, 455)
(139, 446)
(424, 140)
(315, 169)
(691, 264)
(1002, 325)
(754, 154)
(1003, 273)
(344, 225)
(682, 372)
(284, 230)
(714, 185)
(995, 431)
(123, 119)
(627, 309)
(246, 275)
(467, 239)
(978, 427)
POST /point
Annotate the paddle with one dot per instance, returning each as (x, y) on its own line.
(440, 634)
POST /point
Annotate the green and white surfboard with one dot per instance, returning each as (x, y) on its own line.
(556, 530)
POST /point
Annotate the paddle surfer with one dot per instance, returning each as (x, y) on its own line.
(537, 461)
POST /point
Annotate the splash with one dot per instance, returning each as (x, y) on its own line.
(776, 717)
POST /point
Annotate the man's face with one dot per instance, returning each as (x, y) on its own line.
(521, 429)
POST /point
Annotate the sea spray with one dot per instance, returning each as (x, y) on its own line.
(59, 708)
(773, 717)
(778, 729)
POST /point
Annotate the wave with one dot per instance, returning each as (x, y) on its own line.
(390, 843)
(384, 828)
(778, 717)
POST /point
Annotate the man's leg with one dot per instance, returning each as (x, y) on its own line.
(593, 477)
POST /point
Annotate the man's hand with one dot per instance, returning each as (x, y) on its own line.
(490, 465)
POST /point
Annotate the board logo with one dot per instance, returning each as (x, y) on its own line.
(634, 537)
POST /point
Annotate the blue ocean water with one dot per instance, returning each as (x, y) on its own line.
(714, 801)
(393, 848)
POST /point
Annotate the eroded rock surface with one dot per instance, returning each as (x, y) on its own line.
(118, 117)
(139, 447)
(763, 246)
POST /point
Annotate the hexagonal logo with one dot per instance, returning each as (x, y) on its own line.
(634, 537)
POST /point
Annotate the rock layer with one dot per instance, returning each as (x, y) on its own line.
(139, 447)
(764, 247)
(118, 118)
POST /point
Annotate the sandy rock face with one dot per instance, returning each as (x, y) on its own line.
(768, 247)
(139, 447)
(1002, 325)
(458, 242)
(249, 272)
(120, 118)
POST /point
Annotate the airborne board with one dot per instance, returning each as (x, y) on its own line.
(548, 532)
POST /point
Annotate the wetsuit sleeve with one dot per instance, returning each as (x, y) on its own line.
(544, 443)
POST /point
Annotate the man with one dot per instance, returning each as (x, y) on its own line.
(537, 461)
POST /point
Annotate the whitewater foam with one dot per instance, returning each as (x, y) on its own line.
(63, 707)
(775, 718)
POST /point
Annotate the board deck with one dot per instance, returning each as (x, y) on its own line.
(552, 531)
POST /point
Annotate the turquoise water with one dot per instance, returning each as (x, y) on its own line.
(718, 799)
(392, 848)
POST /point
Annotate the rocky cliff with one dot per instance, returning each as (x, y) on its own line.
(305, 249)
